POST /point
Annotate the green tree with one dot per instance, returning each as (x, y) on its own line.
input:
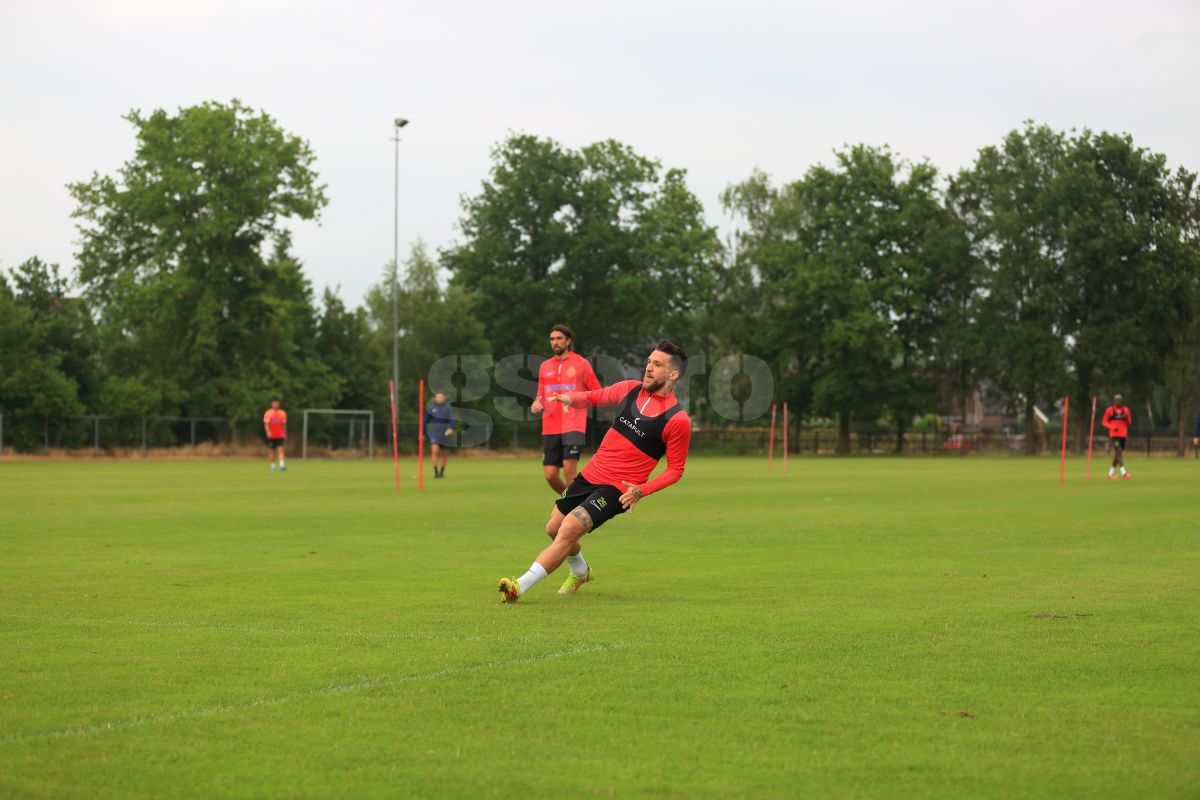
(1183, 365)
(1007, 202)
(760, 308)
(348, 347)
(849, 264)
(435, 322)
(34, 379)
(194, 315)
(64, 322)
(1130, 270)
(1090, 269)
(601, 238)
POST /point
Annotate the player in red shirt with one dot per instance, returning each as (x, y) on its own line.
(275, 427)
(651, 423)
(564, 429)
(1117, 419)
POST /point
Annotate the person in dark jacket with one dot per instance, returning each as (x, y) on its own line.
(439, 428)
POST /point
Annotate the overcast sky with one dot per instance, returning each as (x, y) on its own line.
(715, 88)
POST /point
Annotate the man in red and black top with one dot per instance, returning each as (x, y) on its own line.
(275, 427)
(649, 424)
(1117, 419)
(564, 429)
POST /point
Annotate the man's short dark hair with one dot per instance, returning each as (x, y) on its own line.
(678, 357)
(565, 331)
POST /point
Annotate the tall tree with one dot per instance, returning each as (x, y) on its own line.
(35, 373)
(195, 315)
(64, 322)
(348, 347)
(1090, 270)
(435, 322)
(1130, 271)
(1007, 201)
(599, 237)
(849, 261)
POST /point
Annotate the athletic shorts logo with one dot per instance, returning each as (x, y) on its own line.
(600, 503)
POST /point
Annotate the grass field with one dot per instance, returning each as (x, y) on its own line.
(859, 627)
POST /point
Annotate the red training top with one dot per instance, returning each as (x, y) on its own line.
(618, 459)
(276, 422)
(1117, 419)
(555, 376)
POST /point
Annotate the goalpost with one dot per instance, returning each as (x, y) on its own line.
(351, 412)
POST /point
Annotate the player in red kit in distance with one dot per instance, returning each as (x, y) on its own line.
(275, 427)
(1117, 420)
(649, 425)
(564, 429)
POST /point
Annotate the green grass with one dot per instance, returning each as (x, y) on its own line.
(208, 629)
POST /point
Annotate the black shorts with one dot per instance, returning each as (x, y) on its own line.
(436, 434)
(601, 501)
(559, 447)
(273, 443)
(1118, 441)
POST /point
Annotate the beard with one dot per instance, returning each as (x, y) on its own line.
(558, 349)
(651, 385)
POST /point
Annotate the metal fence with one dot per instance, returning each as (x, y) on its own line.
(350, 436)
(103, 434)
(825, 441)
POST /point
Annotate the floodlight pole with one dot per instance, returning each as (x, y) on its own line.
(399, 123)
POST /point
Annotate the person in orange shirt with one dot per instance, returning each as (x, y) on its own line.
(564, 429)
(1117, 419)
(275, 426)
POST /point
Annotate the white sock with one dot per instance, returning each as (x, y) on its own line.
(1122, 469)
(577, 564)
(1111, 470)
(535, 574)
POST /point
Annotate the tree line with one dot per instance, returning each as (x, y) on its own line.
(876, 288)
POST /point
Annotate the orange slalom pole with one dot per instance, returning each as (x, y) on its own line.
(771, 446)
(1091, 435)
(395, 452)
(421, 437)
(1062, 465)
(785, 434)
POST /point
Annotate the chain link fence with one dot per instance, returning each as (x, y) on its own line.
(825, 441)
(213, 437)
(344, 436)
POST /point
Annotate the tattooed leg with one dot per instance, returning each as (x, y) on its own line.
(566, 540)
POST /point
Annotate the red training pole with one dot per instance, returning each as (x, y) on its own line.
(421, 437)
(785, 433)
(395, 452)
(771, 446)
(1091, 435)
(1062, 465)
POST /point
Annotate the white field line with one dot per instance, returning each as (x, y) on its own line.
(221, 626)
(332, 689)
